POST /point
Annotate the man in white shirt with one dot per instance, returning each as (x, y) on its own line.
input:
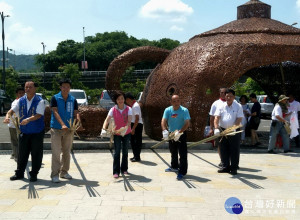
(277, 125)
(294, 108)
(212, 111)
(12, 129)
(226, 116)
(136, 127)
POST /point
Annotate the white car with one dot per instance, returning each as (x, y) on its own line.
(80, 96)
(44, 98)
(105, 100)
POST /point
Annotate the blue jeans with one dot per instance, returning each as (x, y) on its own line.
(277, 127)
(121, 142)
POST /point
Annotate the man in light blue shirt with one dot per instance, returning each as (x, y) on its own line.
(176, 117)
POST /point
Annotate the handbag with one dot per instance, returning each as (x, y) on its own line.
(287, 128)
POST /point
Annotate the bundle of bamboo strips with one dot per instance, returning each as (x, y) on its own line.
(111, 130)
(16, 121)
(227, 132)
(171, 137)
(74, 126)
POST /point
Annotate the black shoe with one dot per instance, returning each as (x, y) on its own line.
(132, 158)
(33, 179)
(286, 151)
(271, 152)
(15, 177)
(135, 160)
(220, 165)
(233, 172)
(224, 170)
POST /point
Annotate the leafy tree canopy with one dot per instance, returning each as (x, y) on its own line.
(100, 50)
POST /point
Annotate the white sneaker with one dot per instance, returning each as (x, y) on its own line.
(55, 179)
(66, 176)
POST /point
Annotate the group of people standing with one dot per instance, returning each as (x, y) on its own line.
(225, 113)
(29, 110)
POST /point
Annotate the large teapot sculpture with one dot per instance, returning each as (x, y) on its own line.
(197, 69)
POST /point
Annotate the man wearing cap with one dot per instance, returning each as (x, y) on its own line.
(226, 116)
(279, 113)
(136, 127)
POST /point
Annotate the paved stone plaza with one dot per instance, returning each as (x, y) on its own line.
(267, 186)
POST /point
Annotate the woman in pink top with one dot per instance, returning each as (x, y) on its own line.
(121, 114)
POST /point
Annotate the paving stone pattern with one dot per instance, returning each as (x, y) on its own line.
(267, 186)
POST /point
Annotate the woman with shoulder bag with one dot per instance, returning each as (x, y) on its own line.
(279, 116)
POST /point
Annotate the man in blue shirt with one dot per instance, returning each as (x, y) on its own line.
(31, 110)
(176, 118)
(64, 107)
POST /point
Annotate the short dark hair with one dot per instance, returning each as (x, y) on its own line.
(65, 81)
(129, 96)
(20, 89)
(116, 96)
(230, 91)
(34, 83)
(253, 95)
(245, 97)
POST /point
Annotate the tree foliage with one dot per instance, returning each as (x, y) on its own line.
(11, 80)
(100, 50)
(250, 86)
(68, 71)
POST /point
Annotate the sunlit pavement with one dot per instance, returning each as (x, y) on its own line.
(267, 187)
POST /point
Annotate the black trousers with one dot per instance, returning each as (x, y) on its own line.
(136, 141)
(30, 144)
(297, 141)
(230, 151)
(181, 147)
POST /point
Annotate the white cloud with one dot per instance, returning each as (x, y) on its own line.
(176, 28)
(22, 38)
(20, 29)
(25, 39)
(6, 8)
(166, 10)
(298, 4)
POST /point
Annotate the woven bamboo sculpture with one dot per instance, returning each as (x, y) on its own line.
(197, 69)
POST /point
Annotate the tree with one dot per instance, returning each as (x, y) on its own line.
(101, 50)
(250, 86)
(68, 71)
(11, 82)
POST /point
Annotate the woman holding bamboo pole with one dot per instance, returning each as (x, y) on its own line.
(122, 115)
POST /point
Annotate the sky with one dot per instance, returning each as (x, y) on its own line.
(31, 22)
